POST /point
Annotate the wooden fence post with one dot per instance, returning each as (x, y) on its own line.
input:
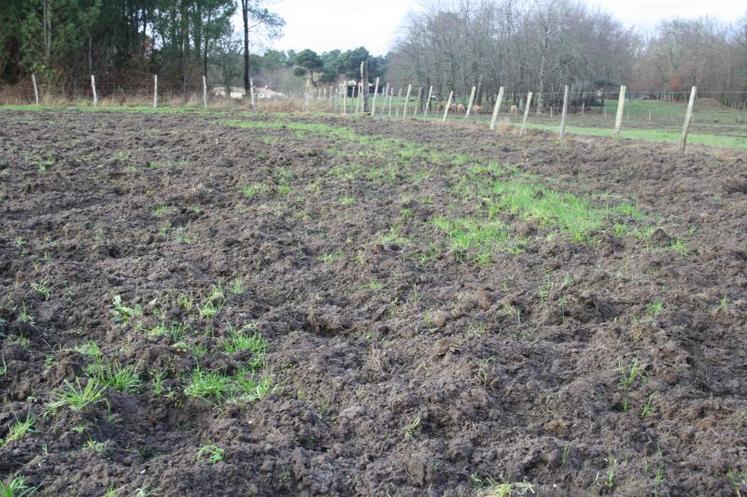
(204, 91)
(93, 89)
(307, 89)
(564, 116)
(620, 111)
(496, 108)
(373, 103)
(448, 104)
(407, 99)
(252, 102)
(688, 118)
(36, 90)
(471, 101)
(155, 91)
(417, 102)
(391, 97)
(428, 102)
(359, 87)
(526, 114)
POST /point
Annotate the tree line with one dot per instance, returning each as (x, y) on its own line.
(123, 42)
(522, 45)
(543, 45)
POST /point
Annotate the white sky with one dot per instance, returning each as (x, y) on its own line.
(324, 25)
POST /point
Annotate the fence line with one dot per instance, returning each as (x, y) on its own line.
(591, 112)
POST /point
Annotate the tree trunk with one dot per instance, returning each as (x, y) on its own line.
(245, 15)
(207, 46)
(47, 32)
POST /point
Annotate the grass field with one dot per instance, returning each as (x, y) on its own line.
(653, 135)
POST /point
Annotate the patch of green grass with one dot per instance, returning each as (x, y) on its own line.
(216, 387)
(347, 200)
(630, 373)
(412, 428)
(394, 236)
(333, 256)
(679, 246)
(251, 191)
(647, 408)
(175, 330)
(250, 387)
(16, 487)
(547, 207)
(659, 478)
(79, 398)
(42, 289)
(236, 287)
(181, 235)
(655, 308)
(283, 177)
(162, 210)
(24, 315)
(478, 238)
(348, 172)
(208, 385)
(723, 304)
(520, 196)
(213, 303)
(240, 341)
(737, 480)
(611, 472)
(118, 377)
(211, 452)
(158, 385)
(101, 448)
(374, 284)
(90, 349)
(654, 135)
(184, 301)
(402, 149)
(124, 313)
(18, 430)
(515, 489)
(629, 210)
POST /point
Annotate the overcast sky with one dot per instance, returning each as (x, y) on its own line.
(324, 25)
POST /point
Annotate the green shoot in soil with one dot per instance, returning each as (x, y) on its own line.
(212, 452)
(79, 398)
(18, 430)
(16, 488)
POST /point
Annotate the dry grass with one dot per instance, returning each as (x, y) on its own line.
(294, 104)
(23, 94)
(504, 127)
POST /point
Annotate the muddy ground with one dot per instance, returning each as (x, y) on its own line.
(395, 365)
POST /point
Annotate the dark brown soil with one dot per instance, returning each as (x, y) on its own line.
(398, 368)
